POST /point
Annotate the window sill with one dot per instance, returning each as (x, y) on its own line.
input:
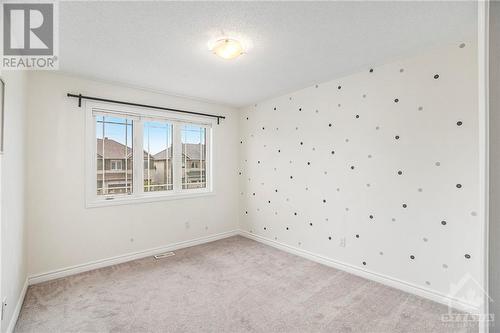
(145, 198)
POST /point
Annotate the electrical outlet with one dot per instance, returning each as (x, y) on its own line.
(342, 242)
(4, 306)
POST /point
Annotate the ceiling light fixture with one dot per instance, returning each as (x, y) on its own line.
(227, 48)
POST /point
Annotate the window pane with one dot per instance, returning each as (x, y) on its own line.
(193, 157)
(114, 155)
(158, 170)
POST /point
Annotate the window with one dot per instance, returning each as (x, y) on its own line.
(116, 165)
(139, 155)
(193, 157)
(158, 168)
(113, 149)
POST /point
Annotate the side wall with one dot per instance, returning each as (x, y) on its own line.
(13, 249)
(376, 171)
(61, 231)
(494, 142)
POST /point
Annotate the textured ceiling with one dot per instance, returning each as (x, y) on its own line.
(163, 45)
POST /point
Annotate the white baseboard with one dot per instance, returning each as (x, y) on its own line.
(17, 309)
(380, 278)
(63, 272)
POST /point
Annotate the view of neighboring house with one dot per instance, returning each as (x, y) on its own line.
(193, 165)
(114, 168)
(161, 175)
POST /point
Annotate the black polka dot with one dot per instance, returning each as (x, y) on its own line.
(412, 257)
(405, 205)
(291, 177)
(275, 108)
(459, 123)
(400, 172)
(396, 137)
(396, 100)
(436, 76)
(352, 167)
(339, 87)
(310, 224)
(371, 216)
(467, 256)
(308, 163)
(263, 127)
(333, 152)
(443, 222)
(279, 150)
(246, 212)
(265, 228)
(268, 201)
(371, 70)
(276, 190)
(301, 143)
(357, 116)
(324, 200)
(254, 193)
(364, 263)
(330, 125)
(300, 109)
(459, 185)
(295, 214)
(287, 228)
(330, 237)
(357, 236)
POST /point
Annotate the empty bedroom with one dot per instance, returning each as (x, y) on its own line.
(260, 166)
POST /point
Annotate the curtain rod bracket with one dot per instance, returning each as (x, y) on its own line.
(79, 100)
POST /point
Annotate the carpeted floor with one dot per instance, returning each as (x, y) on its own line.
(232, 285)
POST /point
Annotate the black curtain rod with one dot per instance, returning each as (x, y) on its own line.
(80, 97)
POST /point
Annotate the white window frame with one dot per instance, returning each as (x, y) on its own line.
(139, 116)
(116, 162)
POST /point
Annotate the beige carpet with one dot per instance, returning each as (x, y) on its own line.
(232, 285)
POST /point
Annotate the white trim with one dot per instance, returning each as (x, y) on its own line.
(135, 112)
(72, 270)
(146, 197)
(380, 278)
(483, 119)
(17, 310)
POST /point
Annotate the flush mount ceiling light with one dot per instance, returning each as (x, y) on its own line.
(227, 48)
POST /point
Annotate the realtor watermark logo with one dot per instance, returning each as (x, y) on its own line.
(471, 292)
(30, 36)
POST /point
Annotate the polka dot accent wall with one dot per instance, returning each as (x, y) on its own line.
(377, 170)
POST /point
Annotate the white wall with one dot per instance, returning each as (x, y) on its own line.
(280, 137)
(494, 141)
(61, 231)
(13, 249)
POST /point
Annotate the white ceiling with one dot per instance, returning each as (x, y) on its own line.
(163, 45)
